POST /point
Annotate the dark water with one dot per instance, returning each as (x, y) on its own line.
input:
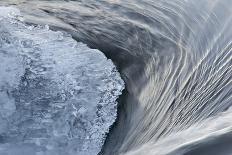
(175, 57)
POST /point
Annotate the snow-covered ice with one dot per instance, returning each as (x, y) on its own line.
(57, 96)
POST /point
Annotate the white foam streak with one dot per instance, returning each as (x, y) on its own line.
(209, 128)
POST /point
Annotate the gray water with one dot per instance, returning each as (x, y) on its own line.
(175, 57)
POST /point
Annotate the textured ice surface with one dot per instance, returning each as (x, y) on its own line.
(57, 96)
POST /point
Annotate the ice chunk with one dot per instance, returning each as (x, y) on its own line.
(57, 96)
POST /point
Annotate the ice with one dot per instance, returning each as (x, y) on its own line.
(9, 12)
(57, 96)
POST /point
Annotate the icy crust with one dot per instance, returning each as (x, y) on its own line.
(57, 96)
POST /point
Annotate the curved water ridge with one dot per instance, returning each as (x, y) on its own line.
(175, 57)
(57, 96)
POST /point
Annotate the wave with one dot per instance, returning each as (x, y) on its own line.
(175, 58)
(57, 96)
(200, 138)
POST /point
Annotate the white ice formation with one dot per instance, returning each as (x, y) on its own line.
(57, 96)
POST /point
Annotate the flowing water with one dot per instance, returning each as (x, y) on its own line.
(175, 57)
